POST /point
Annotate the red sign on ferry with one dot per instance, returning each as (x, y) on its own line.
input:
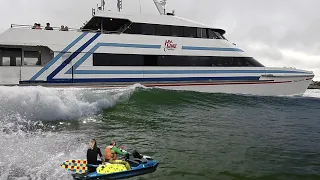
(169, 45)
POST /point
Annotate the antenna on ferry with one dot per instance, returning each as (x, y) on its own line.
(119, 5)
(103, 3)
(140, 5)
(161, 6)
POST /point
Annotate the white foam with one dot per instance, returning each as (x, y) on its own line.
(312, 93)
(28, 152)
(41, 103)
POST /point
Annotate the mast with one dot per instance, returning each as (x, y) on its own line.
(119, 5)
(103, 3)
(161, 6)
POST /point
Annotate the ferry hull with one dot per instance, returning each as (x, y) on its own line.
(287, 87)
(276, 87)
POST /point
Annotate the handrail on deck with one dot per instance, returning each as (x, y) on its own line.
(22, 26)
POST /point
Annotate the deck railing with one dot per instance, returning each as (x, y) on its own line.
(21, 26)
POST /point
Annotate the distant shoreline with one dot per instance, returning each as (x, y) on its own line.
(314, 85)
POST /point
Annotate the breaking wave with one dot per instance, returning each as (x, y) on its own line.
(41, 103)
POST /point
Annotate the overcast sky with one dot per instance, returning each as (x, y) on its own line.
(278, 33)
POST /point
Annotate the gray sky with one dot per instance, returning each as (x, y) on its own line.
(278, 33)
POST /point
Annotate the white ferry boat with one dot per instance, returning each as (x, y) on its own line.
(117, 50)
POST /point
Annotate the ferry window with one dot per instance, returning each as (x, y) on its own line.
(15, 61)
(134, 29)
(201, 33)
(150, 60)
(204, 33)
(212, 35)
(177, 31)
(205, 61)
(185, 60)
(252, 62)
(192, 61)
(190, 32)
(239, 61)
(163, 30)
(31, 62)
(113, 24)
(32, 58)
(100, 59)
(229, 61)
(108, 24)
(163, 61)
(218, 34)
(172, 61)
(5, 61)
(10, 57)
(223, 61)
(148, 29)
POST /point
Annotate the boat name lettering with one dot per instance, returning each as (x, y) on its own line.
(299, 80)
(169, 45)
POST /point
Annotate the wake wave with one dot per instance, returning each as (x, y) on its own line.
(312, 93)
(40, 103)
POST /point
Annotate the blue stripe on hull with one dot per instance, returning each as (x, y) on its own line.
(55, 59)
(210, 49)
(185, 72)
(145, 46)
(137, 80)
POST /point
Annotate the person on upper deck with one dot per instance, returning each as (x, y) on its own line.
(34, 26)
(64, 28)
(48, 27)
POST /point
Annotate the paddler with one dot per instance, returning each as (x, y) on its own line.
(111, 152)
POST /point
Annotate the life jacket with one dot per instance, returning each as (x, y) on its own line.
(109, 154)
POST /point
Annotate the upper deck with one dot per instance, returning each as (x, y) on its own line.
(169, 19)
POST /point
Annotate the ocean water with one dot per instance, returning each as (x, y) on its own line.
(193, 135)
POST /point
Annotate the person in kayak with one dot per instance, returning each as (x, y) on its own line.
(111, 152)
(93, 152)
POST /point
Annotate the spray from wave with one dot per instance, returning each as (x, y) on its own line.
(40, 103)
(31, 150)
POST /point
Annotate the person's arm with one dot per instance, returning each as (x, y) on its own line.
(102, 158)
(118, 151)
(99, 152)
(87, 154)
